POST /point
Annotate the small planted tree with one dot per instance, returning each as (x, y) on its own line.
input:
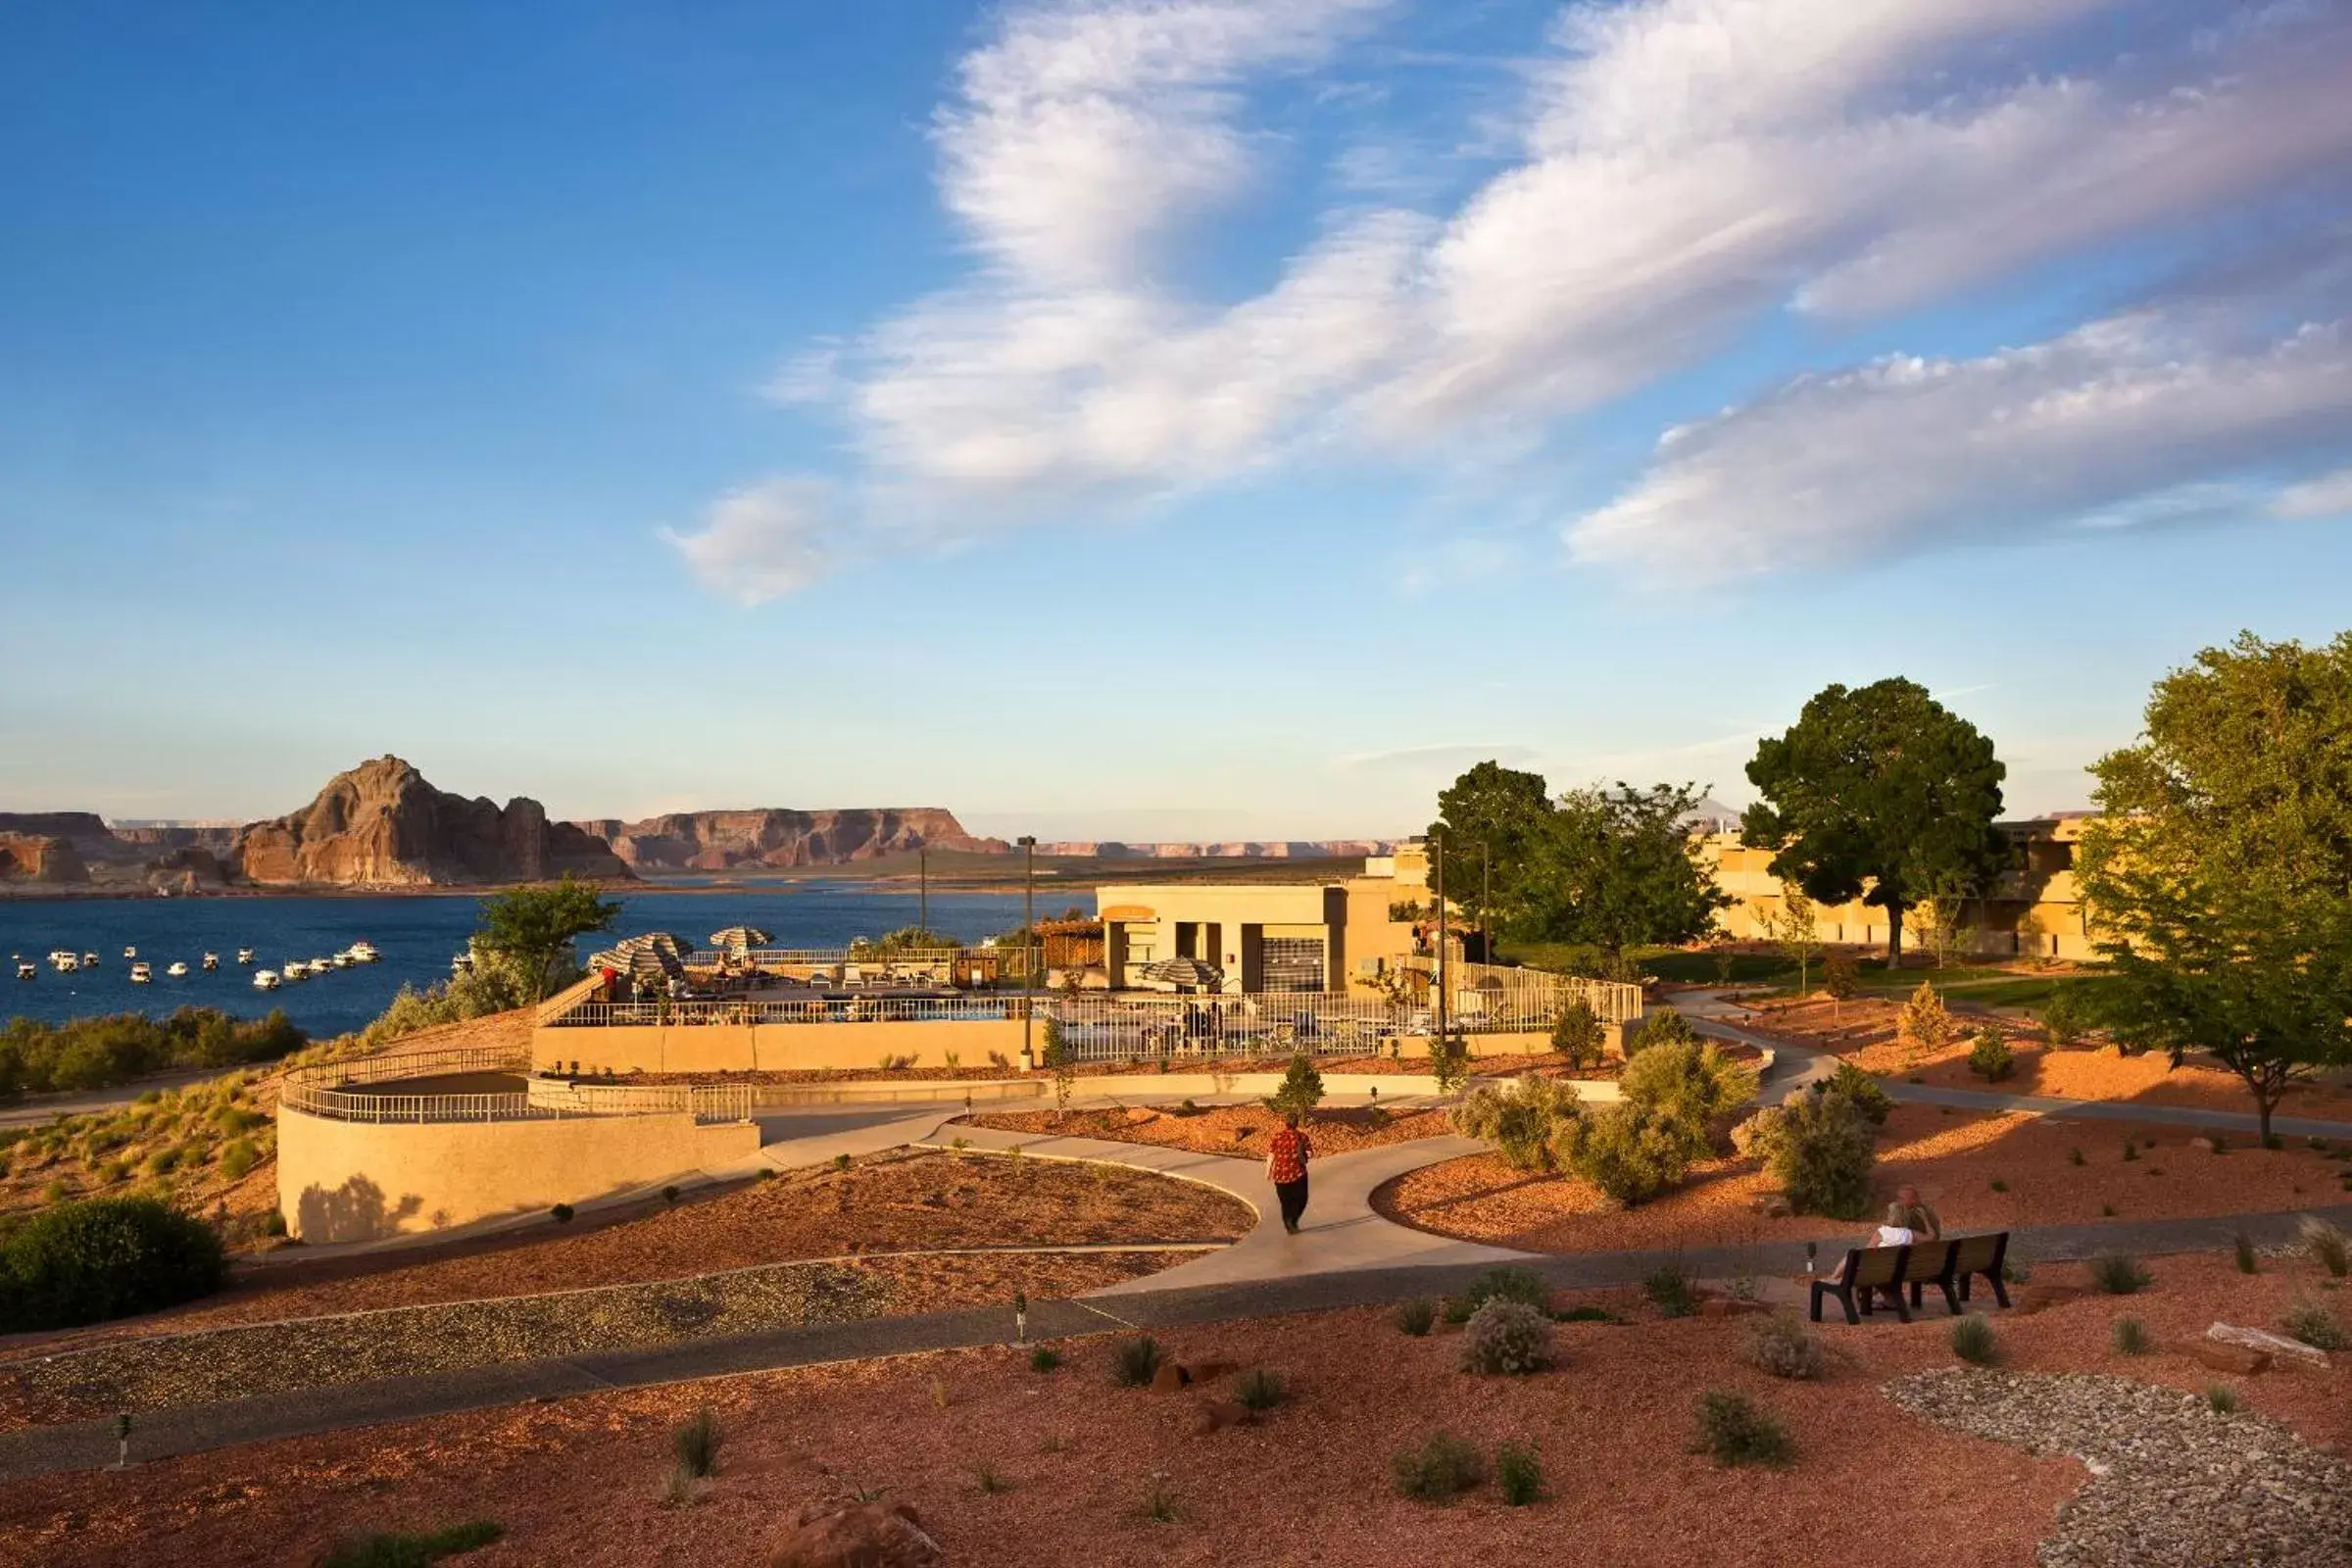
(1925, 1026)
(1664, 1027)
(1576, 1034)
(1061, 1061)
(2062, 1018)
(1796, 932)
(1300, 1091)
(1989, 1057)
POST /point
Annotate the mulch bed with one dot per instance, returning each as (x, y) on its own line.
(1237, 1130)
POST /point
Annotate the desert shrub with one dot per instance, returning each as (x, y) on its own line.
(1519, 1121)
(1260, 1390)
(1869, 1095)
(2220, 1399)
(1044, 1358)
(37, 1057)
(561, 1213)
(1630, 1152)
(2120, 1274)
(2316, 1327)
(238, 1159)
(1783, 1347)
(1511, 1282)
(103, 1259)
(1973, 1342)
(1925, 1025)
(1989, 1057)
(2062, 1020)
(2325, 1243)
(1506, 1337)
(164, 1161)
(1577, 1035)
(695, 1442)
(1439, 1470)
(2130, 1337)
(1136, 1362)
(1519, 1474)
(1820, 1147)
(1664, 1027)
(1689, 1084)
(1733, 1430)
(1301, 1088)
(1671, 1290)
(1417, 1316)
(390, 1550)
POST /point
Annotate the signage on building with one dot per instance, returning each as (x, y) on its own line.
(1128, 912)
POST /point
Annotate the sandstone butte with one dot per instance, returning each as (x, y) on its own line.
(720, 841)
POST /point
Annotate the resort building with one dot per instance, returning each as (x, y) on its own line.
(1256, 936)
(2032, 911)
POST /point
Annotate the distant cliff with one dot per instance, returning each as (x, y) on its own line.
(47, 857)
(782, 838)
(382, 824)
(1250, 848)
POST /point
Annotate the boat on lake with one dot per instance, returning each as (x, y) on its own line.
(244, 955)
(130, 953)
(296, 969)
(363, 952)
(89, 960)
(142, 974)
(64, 962)
(177, 971)
(212, 961)
(27, 968)
(265, 979)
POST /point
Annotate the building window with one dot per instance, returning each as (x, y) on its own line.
(1293, 964)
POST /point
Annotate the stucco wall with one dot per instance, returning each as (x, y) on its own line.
(778, 1046)
(346, 1181)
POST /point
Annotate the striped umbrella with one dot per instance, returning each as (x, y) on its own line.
(1183, 972)
(740, 939)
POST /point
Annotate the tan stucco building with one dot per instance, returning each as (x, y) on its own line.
(2033, 910)
(1259, 936)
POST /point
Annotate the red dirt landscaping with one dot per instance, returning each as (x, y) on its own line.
(1237, 1130)
(1953, 1159)
(580, 1482)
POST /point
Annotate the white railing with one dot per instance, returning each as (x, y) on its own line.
(328, 1090)
(1536, 992)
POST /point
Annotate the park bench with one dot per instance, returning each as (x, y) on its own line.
(1950, 1266)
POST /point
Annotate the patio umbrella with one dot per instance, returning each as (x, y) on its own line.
(1183, 972)
(740, 939)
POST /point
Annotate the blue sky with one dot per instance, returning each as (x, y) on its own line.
(1146, 420)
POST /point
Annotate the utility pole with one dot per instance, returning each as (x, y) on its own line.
(1028, 844)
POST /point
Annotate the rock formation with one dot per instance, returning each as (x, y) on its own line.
(382, 824)
(40, 858)
(779, 838)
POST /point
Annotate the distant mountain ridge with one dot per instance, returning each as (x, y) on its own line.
(782, 838)
(1236, 848)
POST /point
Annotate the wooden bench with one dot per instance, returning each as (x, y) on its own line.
(1950, 1265)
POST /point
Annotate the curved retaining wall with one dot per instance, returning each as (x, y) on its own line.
(357, 1181)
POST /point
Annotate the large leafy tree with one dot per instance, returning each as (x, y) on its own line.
(534, 927)
(1879, 793)
(1615, 868)
(1494, 813)
(2220, 874)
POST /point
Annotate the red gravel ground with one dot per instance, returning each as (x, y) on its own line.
(1237, 1130)
(1952, 1156)
(892, 1202)
(580, 1482)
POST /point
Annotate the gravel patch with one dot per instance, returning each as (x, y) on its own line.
(2173, 1484)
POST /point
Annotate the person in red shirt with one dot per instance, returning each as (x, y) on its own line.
(1286, 1167)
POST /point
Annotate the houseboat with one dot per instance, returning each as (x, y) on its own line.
(244, 955)
(177, 971)
(363, 952)
(27, 968)
(140, 974)
(212, 961)
(265, 979)
(89, 960)
(64, 962)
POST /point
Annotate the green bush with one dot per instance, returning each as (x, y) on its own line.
(106, 1257)
(2120, 1274)
(1519, 1474)
(37, 1057)
(1783, 1347)
(1733, 1430)
(2316, 1327)
(411, 1550)
(1671, 1291)
(1137, 1362)
(2130, 1337)
(2062, 1020)
(695, 1442)
(1044, 1358)
(1302, 1089)
(1820, 1147)
(2220, 1399)
(1511, 1282)
(1441, 1469)
(238, 1159)
(1989, 1057)
(1506, 1337)
(1664, 1027)
(1869, 1095)
(1259, 1390)
(1577, 1035)
(1689, 1084)
(1417, 1316)
(1973, 1340)
(1630, 1152)
(1521, 1121)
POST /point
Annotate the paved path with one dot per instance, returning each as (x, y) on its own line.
(91, 1444)
(1800, 1066)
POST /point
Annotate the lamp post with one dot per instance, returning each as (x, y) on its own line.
(1438, 840)
(922, 888)
(1028, 844)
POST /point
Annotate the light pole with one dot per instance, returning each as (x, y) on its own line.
(1439, 842)
(1028, 844)
(922, 889)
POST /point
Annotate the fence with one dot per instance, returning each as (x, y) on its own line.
(325, 1089)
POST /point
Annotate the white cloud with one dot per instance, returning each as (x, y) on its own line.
(1909, 452)
(1685, 170)
(2328, 496)
(765, 541)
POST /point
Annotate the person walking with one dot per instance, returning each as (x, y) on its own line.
(1286, 1167)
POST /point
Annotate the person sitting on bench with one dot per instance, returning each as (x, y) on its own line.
(1896, 1231)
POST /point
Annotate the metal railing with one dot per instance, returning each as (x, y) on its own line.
(327, 1089)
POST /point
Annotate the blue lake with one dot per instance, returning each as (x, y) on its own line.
(417, 934)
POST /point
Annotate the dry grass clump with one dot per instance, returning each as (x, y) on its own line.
(1439, 1470)
(1783, 1347)
(1733, 1430)
(1506, 1337)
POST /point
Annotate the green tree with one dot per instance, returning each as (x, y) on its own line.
(1878, 794)
(2219, 876)
(1301, 1090)
(1616, 868)
(536, 926)
(1796, 931)
(1497, 811)
(1576, 1034)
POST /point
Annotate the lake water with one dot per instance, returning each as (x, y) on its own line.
(417, 935)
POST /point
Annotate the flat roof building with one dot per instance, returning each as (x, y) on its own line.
(1257, 935)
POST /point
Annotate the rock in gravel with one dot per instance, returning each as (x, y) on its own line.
(2243, 1359)
(2173, 1484)
(856, 1535)
(2276, 1347)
